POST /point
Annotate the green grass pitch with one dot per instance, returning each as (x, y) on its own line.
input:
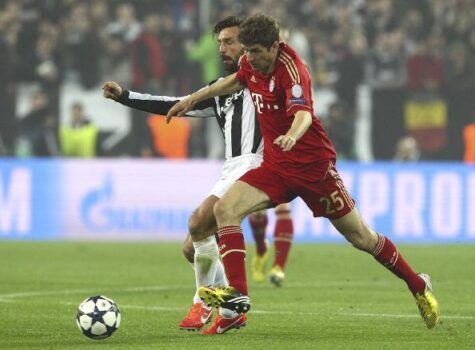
(334, 297)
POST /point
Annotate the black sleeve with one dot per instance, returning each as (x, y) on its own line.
(156, 104)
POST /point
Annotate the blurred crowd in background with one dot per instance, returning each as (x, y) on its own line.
(416, 57)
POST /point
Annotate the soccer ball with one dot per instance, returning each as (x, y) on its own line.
(98, 317)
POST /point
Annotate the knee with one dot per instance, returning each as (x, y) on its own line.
(189, 251)
(194, 225)
(200, 226)
(363, 239)
(358, 241)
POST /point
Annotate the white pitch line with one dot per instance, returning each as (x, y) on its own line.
(9, 297)
(4, 297)
(300, 313)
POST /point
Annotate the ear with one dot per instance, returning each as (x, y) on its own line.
(275, 47)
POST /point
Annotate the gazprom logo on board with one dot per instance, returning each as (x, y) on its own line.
(102, 211)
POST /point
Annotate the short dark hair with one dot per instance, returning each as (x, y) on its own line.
(259, 29)
(230, 21)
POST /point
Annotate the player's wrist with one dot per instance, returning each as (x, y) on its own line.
(196, 96)
(123, 96)
(292, 137)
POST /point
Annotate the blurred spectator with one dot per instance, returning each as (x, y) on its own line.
(116, 63)
(324, 67)
(407, 150)
(147, 56)
(170, 140)
(148, 69)
(340, 128)
(126, 24)
(386, 63)
(99, 12)
(424, 69)
(47, 70)
(380, 18)
(82, 43)
(414, 29)
(79, 137)
(351, 72)
(38, 129)
(26, 16)
(179, 80)
(206, 53)
(205, 133)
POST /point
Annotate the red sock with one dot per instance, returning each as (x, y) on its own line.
(388, 255)
(283, 233)
(258, 227)
(233, 254)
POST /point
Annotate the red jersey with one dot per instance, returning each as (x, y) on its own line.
(277, 96)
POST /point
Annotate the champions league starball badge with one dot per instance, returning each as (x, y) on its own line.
(297, 91)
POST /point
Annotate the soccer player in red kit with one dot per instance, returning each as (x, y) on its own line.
(299, 161)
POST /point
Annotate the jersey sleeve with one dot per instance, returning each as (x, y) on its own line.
(241, 73)
(297, 85)
(162, 104)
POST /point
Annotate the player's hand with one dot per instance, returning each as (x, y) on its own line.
(182, 107)
(112, 90)
(285, 142)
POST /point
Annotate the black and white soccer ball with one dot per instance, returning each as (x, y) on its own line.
(98, 317)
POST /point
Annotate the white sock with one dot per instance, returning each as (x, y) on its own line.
(206, 260)
(220, 279)
(196, 298)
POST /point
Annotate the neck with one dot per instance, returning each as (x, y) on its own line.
(271, 67)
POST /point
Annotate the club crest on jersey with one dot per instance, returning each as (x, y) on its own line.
(271, 85)
(297, 91)
(253, 79)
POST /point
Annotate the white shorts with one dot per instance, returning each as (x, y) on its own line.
(233, 169)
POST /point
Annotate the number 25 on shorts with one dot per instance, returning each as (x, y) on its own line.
(332, 203)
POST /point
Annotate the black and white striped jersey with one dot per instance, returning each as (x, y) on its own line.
(235, 115)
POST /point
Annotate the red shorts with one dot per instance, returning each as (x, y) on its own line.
(326, 195)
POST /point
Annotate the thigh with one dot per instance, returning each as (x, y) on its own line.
(327, 197)
(269, 182)
(242, 199)
(232, 171)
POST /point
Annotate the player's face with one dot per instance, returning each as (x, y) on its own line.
(260, 58)
(230, 48)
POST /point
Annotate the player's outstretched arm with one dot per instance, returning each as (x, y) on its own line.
(300, 125)
(151, 103)
(225, 86)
